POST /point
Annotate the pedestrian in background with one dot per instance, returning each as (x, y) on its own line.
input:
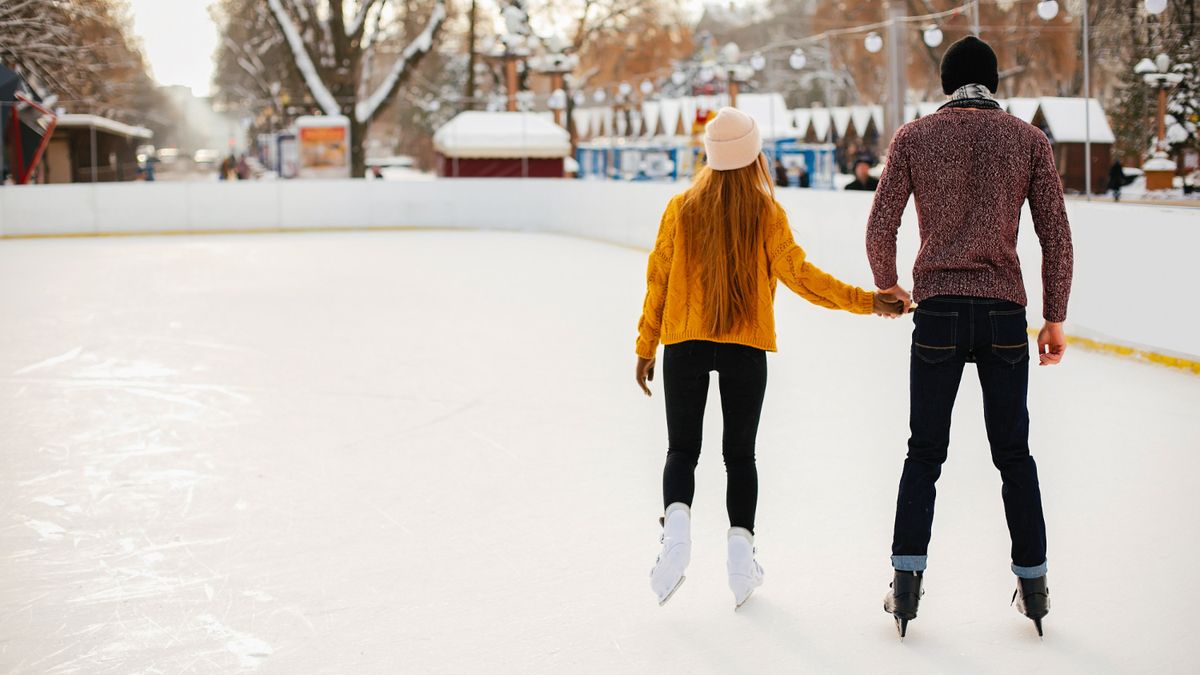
(863, 180)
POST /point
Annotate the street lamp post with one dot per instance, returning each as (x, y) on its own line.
(1159, 169)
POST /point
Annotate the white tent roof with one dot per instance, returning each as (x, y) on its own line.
(476, 133)
(863, 115)
(1065, 118)
(687, 108)
(582, 119)
(651, 118)
(821, 119)
(669, 113)
(928, 107)
(802, 118)
(841, 119)
(910, 112)
(770, 112)
(1023, 108)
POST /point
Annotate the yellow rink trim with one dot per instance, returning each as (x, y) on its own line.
(1114, 349)
(1089, 344)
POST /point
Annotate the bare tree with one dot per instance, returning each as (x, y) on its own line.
(336, 44)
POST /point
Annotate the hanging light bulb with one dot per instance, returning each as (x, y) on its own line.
(873, 42)
(557, 100)
(707, 74)
(646, 87)
(1047, 9)
(797, 60)
(599, 96)
(1156, 6)
(579, 98)
(932, 36)
(758, 61)
(624, 88)
(679, 77)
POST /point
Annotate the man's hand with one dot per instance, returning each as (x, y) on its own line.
(1052, 343)
(645, 373)
(888, 305)
(900, 294)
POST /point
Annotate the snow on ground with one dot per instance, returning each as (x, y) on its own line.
(425, 452)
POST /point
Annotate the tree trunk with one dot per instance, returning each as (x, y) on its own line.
(358, 152)
(470, 93)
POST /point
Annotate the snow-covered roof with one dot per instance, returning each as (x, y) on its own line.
(322, 121)
(81, 121)
(770, 113)
(476, 133)
(1065, 118)
(1023, 109)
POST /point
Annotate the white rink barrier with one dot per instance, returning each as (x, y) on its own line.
(1130, 260)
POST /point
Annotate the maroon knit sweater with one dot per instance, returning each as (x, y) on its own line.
(970, 171)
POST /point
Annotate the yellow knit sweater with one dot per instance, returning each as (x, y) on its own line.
(673, 311)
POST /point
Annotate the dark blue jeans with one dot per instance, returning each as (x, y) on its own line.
(950, 331)
(743, 382)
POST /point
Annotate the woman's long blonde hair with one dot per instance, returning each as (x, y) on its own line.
(723, 217)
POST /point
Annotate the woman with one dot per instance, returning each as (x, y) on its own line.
(721, 246)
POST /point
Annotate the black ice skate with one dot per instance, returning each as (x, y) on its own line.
(903, 599)
(1032, 598)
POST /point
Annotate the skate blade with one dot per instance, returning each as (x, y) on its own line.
(672, 593)
(738, 605)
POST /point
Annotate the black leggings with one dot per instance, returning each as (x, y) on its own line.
(743, 381)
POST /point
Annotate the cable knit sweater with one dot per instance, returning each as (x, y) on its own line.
(673, 310)
(970, 170)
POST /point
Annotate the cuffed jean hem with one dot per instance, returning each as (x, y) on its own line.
(1030, 572)
(909, 563)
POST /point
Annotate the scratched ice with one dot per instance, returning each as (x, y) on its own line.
(424, 452)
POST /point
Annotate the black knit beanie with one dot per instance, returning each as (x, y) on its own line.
(969, 61)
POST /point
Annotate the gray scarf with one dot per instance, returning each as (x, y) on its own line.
(971, 96)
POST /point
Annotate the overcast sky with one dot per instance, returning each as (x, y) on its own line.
(179, 39)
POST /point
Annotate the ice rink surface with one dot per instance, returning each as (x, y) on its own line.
(424, 452)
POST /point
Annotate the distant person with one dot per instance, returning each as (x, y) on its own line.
(243, 167)
(969, 167)
(781, 174)
(804, 180)
(1116, 179)
(227, 167)
(710, 289)
(863, 180)
(377, 171)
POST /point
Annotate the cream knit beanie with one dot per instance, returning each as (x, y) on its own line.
(731, 140)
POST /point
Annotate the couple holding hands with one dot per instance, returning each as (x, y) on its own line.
(723, 244)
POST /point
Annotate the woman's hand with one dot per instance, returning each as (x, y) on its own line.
(645, 373)
(888, 305)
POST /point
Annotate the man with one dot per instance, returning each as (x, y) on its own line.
(863, 180)
(803, 180)
(781, 174)
(1116, 179)
(970, 166)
